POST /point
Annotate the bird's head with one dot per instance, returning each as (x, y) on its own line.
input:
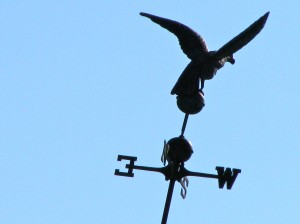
(221, 63)
(214, 54)
(230, 59)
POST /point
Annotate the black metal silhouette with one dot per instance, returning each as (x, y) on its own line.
(204, 64)
(190, 100)
(177, 151)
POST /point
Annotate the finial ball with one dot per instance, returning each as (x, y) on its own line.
(191, 104)
(180, 149)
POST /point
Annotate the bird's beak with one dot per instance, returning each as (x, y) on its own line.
(231, 60)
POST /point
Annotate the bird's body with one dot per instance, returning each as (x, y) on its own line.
(204, 68)
(204, 63)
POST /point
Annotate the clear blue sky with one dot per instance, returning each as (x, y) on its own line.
(84, 81)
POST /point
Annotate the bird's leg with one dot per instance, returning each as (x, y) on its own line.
(202, 86)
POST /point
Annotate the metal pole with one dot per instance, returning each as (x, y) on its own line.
(168, 201)
(184, 124)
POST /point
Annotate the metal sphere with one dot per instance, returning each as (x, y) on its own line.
(191, 104)
(179, 150)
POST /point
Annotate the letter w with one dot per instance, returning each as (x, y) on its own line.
(228, 176)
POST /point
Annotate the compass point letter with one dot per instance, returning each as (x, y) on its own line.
(227, 176)
(128, 166)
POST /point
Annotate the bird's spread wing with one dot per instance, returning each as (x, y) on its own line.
(192, 44)
(242, 39)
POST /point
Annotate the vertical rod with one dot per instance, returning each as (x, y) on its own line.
(168, 201)
(184, 124)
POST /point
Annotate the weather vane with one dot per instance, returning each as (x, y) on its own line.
(190, 100)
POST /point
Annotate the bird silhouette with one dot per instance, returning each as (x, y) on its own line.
(204, 63)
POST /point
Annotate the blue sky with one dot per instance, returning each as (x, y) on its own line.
(84, 81)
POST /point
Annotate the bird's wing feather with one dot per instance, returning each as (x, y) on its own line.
(188, 81)
(192, 44)
(242, 39)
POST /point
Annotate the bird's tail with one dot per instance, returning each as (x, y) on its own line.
(188, 82)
